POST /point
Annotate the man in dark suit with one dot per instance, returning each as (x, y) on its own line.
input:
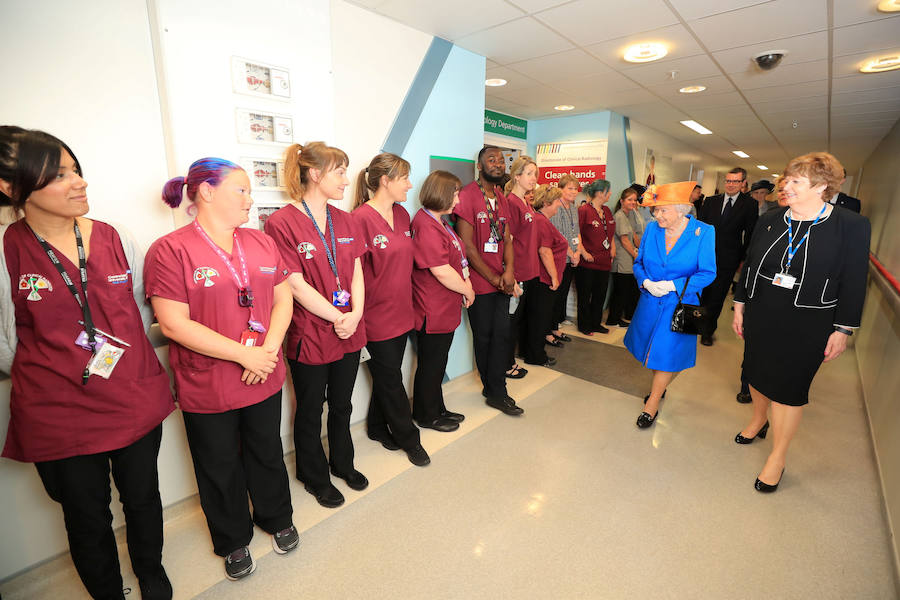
(734, 215)
(842, 199)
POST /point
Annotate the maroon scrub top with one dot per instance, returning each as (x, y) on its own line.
(181, 266)
(311, 339)
(597, 226)
(52, 415)
(472, 210)
(521, 226)
(439, 308)
(387, 267)
(550, 237)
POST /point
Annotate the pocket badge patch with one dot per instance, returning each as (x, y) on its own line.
(205, 274)
(34, 282)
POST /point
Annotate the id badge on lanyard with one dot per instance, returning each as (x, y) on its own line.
(784, 280)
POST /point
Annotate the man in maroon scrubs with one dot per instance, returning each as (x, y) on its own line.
(481, 222)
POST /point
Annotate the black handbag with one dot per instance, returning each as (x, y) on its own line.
(688, 318)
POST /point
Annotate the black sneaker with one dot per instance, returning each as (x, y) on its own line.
(285, 540)
(239, 564)
(156, 586)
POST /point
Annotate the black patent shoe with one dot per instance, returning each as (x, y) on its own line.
(766, 488)
(453, 416)
(561, 337)
(440, 424)
(645, 420)
(555, 342)
(354, 479)
(739, 439)
(744, 397)
(505, 405)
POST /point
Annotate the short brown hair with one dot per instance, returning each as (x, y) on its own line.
(567, 179)
(437, 192)
(820, 168)
(545, 195)
(299, 159)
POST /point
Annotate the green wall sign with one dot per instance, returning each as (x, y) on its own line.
(507, 125)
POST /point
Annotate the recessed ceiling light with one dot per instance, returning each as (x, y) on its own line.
(641, 53)
(563, 107)
(495, 82)
(696, 127)
(740, 153)
(889, 5)
(880, 65)
(762, 167)
(692, 89)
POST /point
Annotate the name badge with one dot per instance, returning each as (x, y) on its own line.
(341, 298)
(606, 244)
(105, 360)
(465, 272)
(575, 241)
(491, 247)
(249, 337)
(784, 280)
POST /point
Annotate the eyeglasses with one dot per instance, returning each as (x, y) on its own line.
(734, 181)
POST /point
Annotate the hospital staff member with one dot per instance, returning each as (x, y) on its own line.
(88, 394)
(322, 246)
(387, 268)
(221, 297)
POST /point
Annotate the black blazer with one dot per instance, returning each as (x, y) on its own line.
(836, 263)
(848, 202)
(732, 234)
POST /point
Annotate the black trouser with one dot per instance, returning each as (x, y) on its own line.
(562, 297)
(539, 315)
(624, 299)
(591, 286)
(714, 295)
(489, 320)
(428, 397)
(518, 324)
(315, 384)
(237, 452)
(81, 485)
(389, 411)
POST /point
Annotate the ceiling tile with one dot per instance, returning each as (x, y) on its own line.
(795, 104)
(562, 65)
(849, 12)
(866, 107)
(514, 79)
(612, 82)
(714, 85)
(532, 6)
(880, 95)
(800, 49)
(450, 20)
(849, 64)
(866, 37)
(510, 108)
(697, 9)
(783, 75)
(659, 72)
(866, 81)
(514, 41)
(589, 21)
(806, 122)
(540, 95)
(678, 40)
(694, 103)
(797, 90)
(769, 21)
(888, 116)
(489, 64)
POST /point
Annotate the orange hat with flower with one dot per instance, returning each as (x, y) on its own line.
(668, 194)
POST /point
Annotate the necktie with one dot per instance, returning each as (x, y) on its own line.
(727, 208)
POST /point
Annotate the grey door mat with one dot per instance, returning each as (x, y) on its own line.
(603, 364)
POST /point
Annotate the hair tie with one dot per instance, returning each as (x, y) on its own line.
(367, 169)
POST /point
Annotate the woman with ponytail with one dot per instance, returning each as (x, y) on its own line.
(380, 189)
(221, 296)
(322, 247)
(88, 394)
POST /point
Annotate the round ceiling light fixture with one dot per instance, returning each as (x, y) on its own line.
(880, 65)
(641, 53)
(495, 82)
(692, 89)
(889, 5)
(563, 107)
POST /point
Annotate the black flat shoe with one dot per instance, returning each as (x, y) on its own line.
(554, 343)
(706, 340)
(453, 416)
(744, 398)
(644, 420)
(516, 372)
(418, 456)
(766, 488)
(354, 479)
(385, 439)
(505, 405)
(561, 338)
(328, 496)
(440, 424)
(601, 329)
(739, 439)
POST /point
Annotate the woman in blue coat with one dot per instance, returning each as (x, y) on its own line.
(676, 250)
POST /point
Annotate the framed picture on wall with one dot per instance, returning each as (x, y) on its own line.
(260, 79)
(263, 127)
(259, 213)
(266, 174)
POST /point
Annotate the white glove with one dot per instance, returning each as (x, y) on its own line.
(654, 287)
(667, 286)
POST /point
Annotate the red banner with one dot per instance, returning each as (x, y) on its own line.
(585, 174)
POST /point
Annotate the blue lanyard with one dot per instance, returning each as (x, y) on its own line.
(330, 253)
(791, 251)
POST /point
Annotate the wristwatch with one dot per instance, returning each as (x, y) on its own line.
(844, 330)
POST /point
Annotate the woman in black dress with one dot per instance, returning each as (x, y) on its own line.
(800, 296)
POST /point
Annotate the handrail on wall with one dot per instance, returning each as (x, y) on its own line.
(888, 276)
